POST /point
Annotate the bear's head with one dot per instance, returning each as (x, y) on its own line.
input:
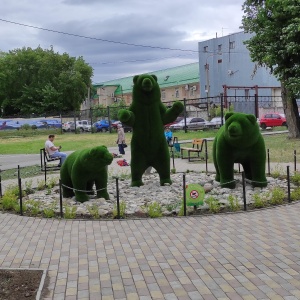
(99, 157)
(241, 130)
(145, 89)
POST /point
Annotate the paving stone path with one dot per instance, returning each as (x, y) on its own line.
(251, 255)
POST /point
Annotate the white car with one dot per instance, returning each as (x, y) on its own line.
(191, 123)
(83, 125)
(215, 122)
(67, 126)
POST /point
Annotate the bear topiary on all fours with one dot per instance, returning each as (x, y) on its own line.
(240, 141)
(84, 168)
(147, 116)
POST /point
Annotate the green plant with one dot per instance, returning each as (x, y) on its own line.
(259, 200)
(41, 185)
(277, 172)
(181, 210)
(25, 127)
(233, 203)
(173, 171)
(70, 212)
(9, 200)
(94, 210)
(52, 182)
(277, 196)
(28, 187)
(296, 178)
(14, 189)
(154, 210)
(49, 212)
(124, 175)
(33, 206)
(295, 194)
(122, 210)
(213, 204)
(17, 207)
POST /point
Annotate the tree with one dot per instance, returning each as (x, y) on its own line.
(40, 81)
(276, 45)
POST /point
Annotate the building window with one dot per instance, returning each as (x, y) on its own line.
(219, 48)
(163, 94)
(176, 93)
(231, 45)
(192, 91)
(205, 49)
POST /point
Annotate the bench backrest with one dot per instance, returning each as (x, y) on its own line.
(198, 143)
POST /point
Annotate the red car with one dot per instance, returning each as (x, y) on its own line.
(272, 120)
(178, 119)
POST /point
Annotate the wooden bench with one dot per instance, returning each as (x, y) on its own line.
(45, 159)
(197, 147)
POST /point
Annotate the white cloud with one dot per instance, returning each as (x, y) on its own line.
(158, 24)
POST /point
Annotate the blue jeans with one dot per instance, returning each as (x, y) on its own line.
(61, 155)
(121, 149)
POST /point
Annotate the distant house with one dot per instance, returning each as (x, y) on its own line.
(225, 67)
(175, 84)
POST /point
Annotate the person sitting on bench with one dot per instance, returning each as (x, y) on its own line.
(54, 151)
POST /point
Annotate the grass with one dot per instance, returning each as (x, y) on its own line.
(281, 148)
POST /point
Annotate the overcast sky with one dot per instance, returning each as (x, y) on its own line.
(119, 38)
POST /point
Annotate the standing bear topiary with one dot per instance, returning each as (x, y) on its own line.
(84, 168)
(147, 116)
(240, 141)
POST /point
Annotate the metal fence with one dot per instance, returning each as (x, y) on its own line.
(205, 108)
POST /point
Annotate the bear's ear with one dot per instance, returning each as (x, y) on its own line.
(228, 115)
(135, 78)
(155, 77)
(251, 118)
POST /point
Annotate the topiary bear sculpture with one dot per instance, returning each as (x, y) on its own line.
(240, 141)
(147, 116)
(84, 168)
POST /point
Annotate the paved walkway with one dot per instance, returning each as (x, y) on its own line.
(252, 255)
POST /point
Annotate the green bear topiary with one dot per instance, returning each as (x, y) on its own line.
(84, 168)
(147, 116)
(240, 141)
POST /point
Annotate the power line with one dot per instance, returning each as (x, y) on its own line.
(97, 39)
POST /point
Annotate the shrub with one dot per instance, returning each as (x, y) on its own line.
(259, 200)
(277, 197)
(295, 194)
(28, 187)
(94, 211)
(41, 185)
(213, 204)
(296, 178)
(25, 127)
(154, 210)
(70, 212)
(233, 203)
(122, 210)
(9, 200)
(33, 206)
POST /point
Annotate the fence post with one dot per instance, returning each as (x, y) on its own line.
(288, 182)
(60, 200)
(222, 108)
(244, 190)
(256, 105)
(184, 113)
(295, 161)
(91, 117)
(108, 117)
(184, 196)
(268, 152)
(0, 184)
(20, 196)
(118, 198)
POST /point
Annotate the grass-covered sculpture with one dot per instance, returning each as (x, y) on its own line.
(147, 116)
(240, 141)
(84, 168)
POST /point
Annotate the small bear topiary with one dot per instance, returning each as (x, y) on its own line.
(84, 168)
(147, 116)
(240, 141)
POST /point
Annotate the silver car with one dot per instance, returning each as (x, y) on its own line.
(191, 123)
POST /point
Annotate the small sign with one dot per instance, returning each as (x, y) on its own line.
(194, 194)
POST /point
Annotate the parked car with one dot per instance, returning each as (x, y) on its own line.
(125, 127)
(83, 125)
(101, 125)
(215, 122)
(191, 123)
(178, 119)
(67, 126)
(272, 120)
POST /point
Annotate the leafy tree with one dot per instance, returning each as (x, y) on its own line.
(39, 81)
(276, 45)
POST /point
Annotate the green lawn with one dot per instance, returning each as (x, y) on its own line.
(281, 148)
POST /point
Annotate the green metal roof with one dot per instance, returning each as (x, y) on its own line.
(168, 77)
